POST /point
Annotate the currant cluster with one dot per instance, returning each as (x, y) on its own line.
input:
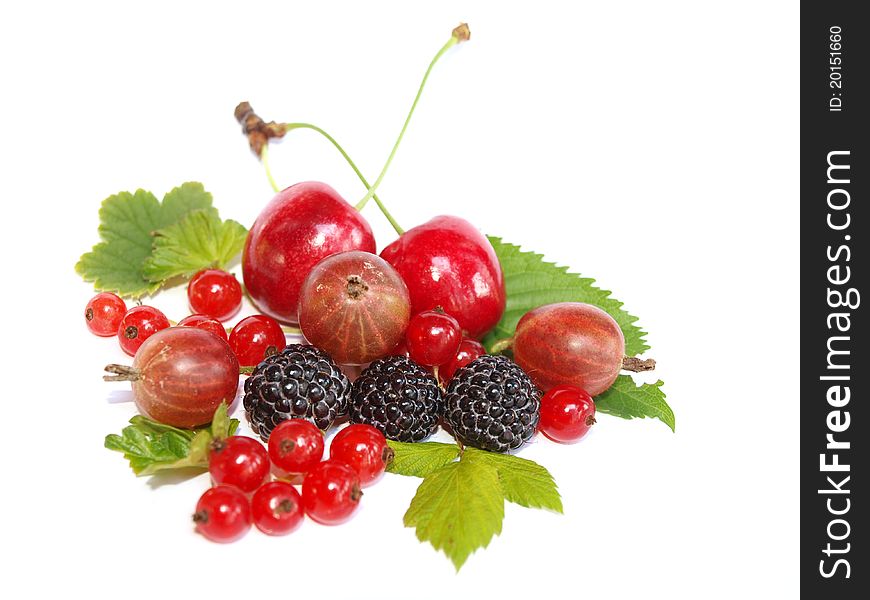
(241, 469)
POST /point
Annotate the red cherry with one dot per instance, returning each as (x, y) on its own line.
(447, 262)
(277, 508)
(223, 514)
(137, 325)
(214, 293)
(468, 351)
(256, 337)
(239, 461)
(206, 323)
(295, 446)
(103, 314)
(432, 338)
(567, 413)
(364, 449)
(300, 226)
(331, 492)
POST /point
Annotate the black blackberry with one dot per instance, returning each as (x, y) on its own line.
(398, 397)
(301, 382)
(492, 404)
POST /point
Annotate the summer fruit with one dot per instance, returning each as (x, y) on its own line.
(214, 293)
(397, 397)
(447, 262)
(223, 514)
(492, 404)
(468, 351)
(239, 461)
(205, 323)
(256, 337)
(180, 376)
(433, 338)
(364, 449)
(567, 413)
(137, 325)
(331, 492)
(302, 225)
(103, 314)
(302, 382)
(355, 306)
(295, 446)
(570, 343)
(277, 508)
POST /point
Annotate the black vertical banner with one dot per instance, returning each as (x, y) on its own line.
(835, 227)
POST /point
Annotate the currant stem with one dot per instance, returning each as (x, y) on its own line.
(460, 34)
(264, 158)
(638, 365)
(501, 345)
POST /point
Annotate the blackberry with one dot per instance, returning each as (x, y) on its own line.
(492, 404)
(302, 382)
(398, 397)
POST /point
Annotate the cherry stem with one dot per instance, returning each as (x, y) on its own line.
(264, 158)
(638, 365)
(460, 34)
(122, 373)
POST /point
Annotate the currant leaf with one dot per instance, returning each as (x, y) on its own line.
(458, 509)
(198, 241)
(628, 400)
(522, 481)
(420, 459)
(531, 282)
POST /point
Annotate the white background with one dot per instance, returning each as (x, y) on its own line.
(651, 145)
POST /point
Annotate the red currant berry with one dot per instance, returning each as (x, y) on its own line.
(205, 322)
(295, 446)
(138, 324)
(364, 449)
(567, 413)
(256, 337)
(223, 514)
(468, 351)
(103, 314)
(432, 338)
(239, 461)
(277, 508)
(331, 492)
(215, 293)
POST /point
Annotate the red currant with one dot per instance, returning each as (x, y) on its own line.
(468, 351)
(138, 324)
(223, 514)
(331, 492)
(256, 337)
(364, 449)
(215, 293)
(205, 322)
(567, 413)
(103, 314)
(277, 508)
(239, 461)
(432, 338)
(295, 446)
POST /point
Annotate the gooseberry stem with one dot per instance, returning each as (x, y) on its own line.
(460, 34)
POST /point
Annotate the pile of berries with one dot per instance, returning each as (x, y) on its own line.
(242, 468)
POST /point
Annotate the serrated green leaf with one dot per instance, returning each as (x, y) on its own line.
(458, 509)
(531, 282)
(127, 224)
(198, 241)
(628, 400)
(522, 481)
(420, 459)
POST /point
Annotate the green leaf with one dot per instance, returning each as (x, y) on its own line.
(531, 282)
(522, 481)
(420, 459)
(199, 241)
(628, 400)
(220, 423)
(458, 509)
(127, 224)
